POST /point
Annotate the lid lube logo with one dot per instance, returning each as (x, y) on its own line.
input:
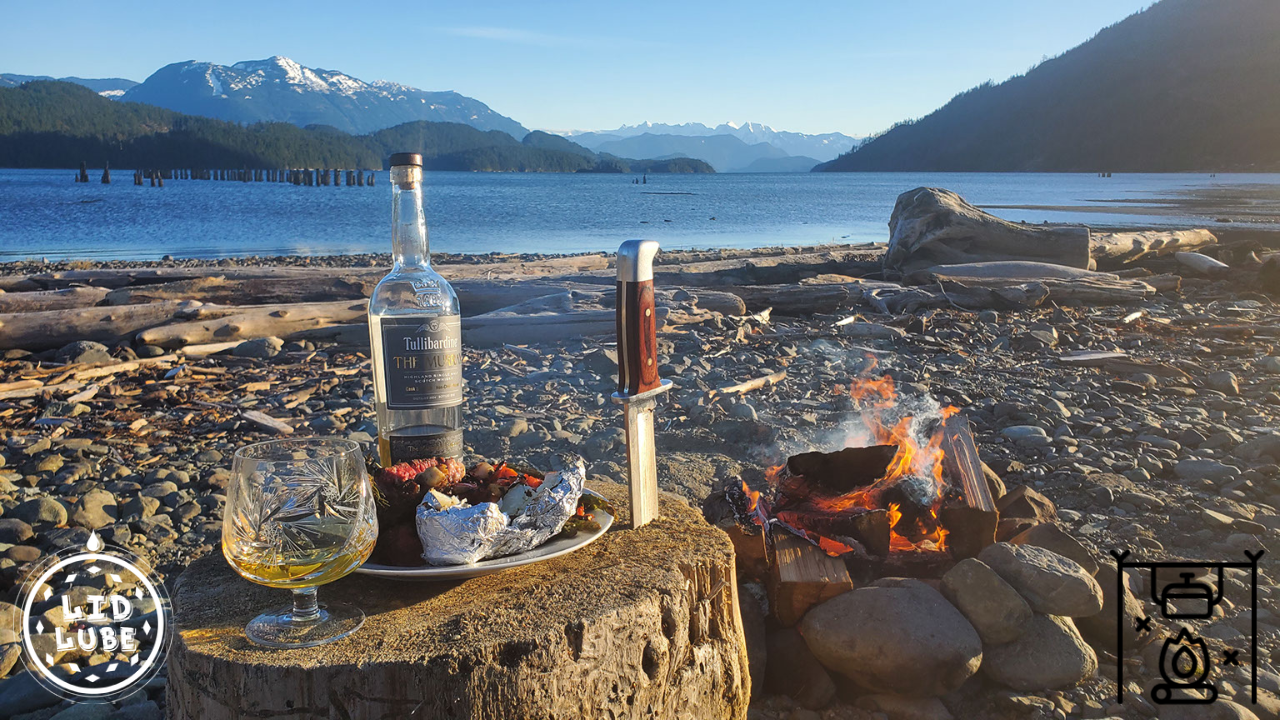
(96, 625)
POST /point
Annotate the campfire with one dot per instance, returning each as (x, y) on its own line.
(906, 487)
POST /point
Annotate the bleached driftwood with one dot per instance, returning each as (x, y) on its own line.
(254, 322)
(55, 328)
(1201, 264)
(931, 226)
(644, 624)
(1112, 250)
(991, 294)
(20, 302)
(770, 270)
(1005, 270)
(508, 267)
(257, 291)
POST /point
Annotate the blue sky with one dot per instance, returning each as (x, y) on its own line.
(855, 66)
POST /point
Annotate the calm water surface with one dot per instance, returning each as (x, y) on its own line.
(44, 214)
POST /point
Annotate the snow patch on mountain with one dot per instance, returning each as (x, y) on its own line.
(281, 89)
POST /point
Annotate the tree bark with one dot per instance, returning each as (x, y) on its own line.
(643, 623)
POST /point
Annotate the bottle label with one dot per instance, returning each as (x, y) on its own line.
(447, 443)
(422, 361)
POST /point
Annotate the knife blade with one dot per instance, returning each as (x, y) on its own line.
(638, 383)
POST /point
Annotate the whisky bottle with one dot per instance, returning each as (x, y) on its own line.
(415, 331)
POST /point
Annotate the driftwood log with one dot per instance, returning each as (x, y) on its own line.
(254, 322)
(23, 302)
(642, 623)
(55, 328)
(931, 226)
(512, 267)
(1113, 250)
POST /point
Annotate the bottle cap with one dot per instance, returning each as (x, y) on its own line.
(406, 159)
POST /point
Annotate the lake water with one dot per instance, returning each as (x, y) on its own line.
(44, 214)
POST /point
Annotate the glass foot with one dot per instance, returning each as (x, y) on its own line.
(282, 629)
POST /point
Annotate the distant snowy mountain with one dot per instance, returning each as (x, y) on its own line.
(823, 147)
(279, 89)
(107, 87)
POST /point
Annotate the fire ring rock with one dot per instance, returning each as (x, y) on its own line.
(896, 635)
(995, 609)
(1050, 654)
(1051, 583)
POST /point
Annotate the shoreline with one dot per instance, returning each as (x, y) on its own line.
(134, 441)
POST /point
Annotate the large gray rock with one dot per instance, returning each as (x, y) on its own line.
(22, 693)
(14, 531)
(1049, 655)
(261, 348)
(1052, 537)
(995, 609)
(1100, 629)
(1267, 446)
(40, 511)
(1051, 583)
(896, 635)
(94, 509)
(84, 351)
(931, 226)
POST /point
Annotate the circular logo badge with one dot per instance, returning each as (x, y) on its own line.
(96, 623)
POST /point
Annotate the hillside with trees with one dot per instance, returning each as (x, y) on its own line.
(1185, 85)
(51, 124)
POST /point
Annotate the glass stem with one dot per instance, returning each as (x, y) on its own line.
(305, 607)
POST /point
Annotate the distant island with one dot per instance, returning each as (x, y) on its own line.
(1185, 85)
(55, 124)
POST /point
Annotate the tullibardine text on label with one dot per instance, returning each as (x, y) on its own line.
(423, 362)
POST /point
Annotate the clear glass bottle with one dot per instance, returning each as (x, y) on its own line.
(416, 334)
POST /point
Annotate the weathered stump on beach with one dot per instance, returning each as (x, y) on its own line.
(931, 226)
(642, 623)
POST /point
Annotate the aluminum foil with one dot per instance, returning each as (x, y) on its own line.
(464, 536)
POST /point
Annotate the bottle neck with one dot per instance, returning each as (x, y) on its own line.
(409, 243)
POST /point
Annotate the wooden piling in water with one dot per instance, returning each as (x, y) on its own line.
(106, 174)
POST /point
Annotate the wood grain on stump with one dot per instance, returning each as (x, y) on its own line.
(640, 624)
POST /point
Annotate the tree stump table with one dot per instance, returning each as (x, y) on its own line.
(639, 624)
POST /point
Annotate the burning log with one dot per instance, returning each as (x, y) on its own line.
(844, 470)
(802, 576)
(863, 526)
(969, 530)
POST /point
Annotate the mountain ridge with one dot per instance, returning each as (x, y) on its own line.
(106, 87)
(1179, 86)
(59, 124)
(823, 146)
(278, 89)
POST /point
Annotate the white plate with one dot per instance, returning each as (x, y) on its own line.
(546, 551)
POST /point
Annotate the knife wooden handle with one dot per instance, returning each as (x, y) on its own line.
(637, 318)
(637, 338)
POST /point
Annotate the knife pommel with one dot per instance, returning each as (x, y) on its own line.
(637, 318)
